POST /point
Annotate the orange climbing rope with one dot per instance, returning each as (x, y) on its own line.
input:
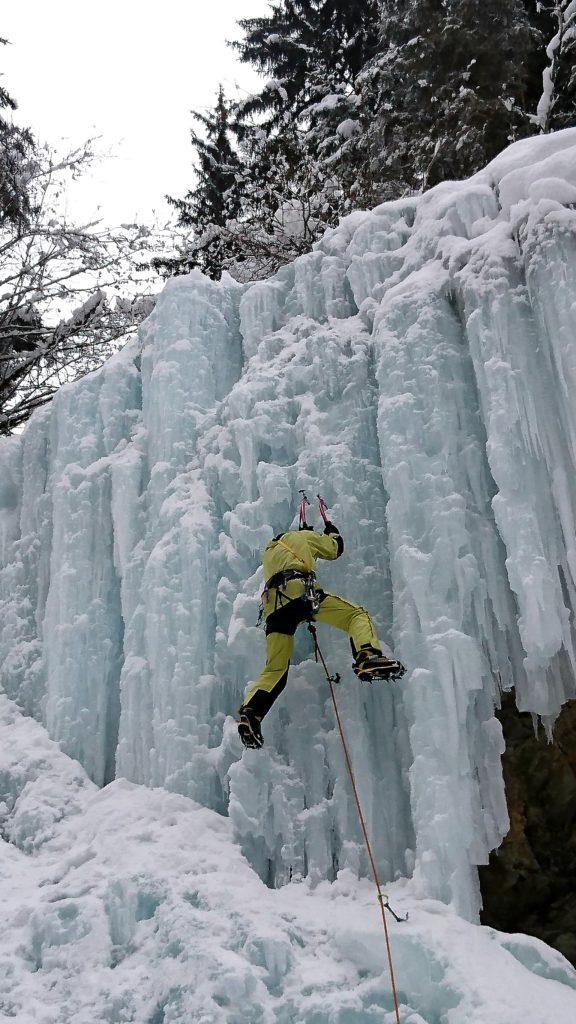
(382, 898)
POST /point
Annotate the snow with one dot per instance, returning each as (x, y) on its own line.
(135, 904)
(274, 85)
(417, 369)
(348, 128)
(565, 15)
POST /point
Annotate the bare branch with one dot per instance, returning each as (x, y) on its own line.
(65, 289)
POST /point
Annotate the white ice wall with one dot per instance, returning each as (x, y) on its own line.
(418, 369)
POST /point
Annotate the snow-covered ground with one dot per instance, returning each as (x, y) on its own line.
(418, 369)
(135, 904)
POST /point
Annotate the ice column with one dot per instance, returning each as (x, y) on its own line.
(191, 357)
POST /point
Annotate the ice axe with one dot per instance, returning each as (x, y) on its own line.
(302, 510)
(322, 508)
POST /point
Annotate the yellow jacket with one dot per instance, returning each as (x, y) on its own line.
(298, 549)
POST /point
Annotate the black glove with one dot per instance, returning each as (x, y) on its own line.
(330, 528)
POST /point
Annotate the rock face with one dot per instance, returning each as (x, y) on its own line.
(530, 883)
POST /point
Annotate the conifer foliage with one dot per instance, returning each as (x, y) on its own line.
(214, 200)
(314, 52)
(294, 164)
(452, 85)
(361, 101)
(16, 155)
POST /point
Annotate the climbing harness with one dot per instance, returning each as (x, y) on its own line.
(283, 576)
(312, 595)
(280, 579)
(381, 896)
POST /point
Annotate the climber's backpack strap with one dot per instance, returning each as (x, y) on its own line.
(294, 555)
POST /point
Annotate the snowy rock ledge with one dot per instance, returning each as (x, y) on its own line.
(418, 368)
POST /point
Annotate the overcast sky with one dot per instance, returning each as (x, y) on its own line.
(129, 71)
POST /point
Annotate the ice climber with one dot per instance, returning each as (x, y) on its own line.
(291, 596)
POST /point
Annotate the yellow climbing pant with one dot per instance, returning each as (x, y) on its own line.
(334, 611)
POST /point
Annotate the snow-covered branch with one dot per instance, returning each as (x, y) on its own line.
(561, 47)
(66, 289)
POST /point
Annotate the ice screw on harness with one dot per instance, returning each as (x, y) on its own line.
(381, 896)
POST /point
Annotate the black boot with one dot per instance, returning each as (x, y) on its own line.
(249, 729)
(371, 664)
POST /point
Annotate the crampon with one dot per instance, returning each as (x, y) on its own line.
(377, 666)
(249, 729)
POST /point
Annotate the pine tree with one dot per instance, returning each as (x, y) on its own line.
(451, 86)
(365, 100)
(314, 52)
(311, 49)
(16, 157)
(6, 100)
(287, 202)
(213, 201)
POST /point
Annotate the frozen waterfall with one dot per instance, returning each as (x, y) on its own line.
(419, 369)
